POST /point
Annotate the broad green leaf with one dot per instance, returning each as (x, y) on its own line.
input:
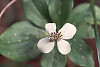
(53, 59)
(19, 41)
(37, 11)
(82, 14)
(59, 10)
(81, 54)
(42, 7)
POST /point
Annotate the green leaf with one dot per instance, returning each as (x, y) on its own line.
(59, 10)
(42, 7)
(85, 31)
(53, 59)
(81, 17)
(81, 53)
(37, 11)
(82, 14)
(19, 41)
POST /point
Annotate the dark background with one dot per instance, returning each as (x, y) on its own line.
(15, 13)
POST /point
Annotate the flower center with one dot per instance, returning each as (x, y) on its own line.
(55, 36)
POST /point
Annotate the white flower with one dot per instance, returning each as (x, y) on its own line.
(45, 45)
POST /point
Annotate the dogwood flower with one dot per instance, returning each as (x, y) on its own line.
(45, 45)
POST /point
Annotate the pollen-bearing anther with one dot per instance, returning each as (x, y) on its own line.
(55, 36)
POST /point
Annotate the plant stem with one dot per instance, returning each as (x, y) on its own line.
(8, 5)
(96, 30)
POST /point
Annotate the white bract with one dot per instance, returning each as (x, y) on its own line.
(45, 45)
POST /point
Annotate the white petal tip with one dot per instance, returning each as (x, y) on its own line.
(44, 45)
(63, 47)
(68, 31)
(66, 52)
(50, 27)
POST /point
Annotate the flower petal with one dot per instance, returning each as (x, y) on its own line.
(50, 27)
(63, 47)
(44, 45)
(68, 31)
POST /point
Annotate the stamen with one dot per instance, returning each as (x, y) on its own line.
(51, 33)
(57, 33)
(50, 36)
(55, 36)
(61, 35)
(54, 33)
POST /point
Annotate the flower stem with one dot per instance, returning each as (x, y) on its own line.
(8, 5)
(96, 30)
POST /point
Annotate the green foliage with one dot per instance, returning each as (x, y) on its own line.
(85, 31)
(37, 11)
(59, 11)
(81, 17)
(53, 59)
(83, 12)
(80, 53)
(19, 41)
(42, 7)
